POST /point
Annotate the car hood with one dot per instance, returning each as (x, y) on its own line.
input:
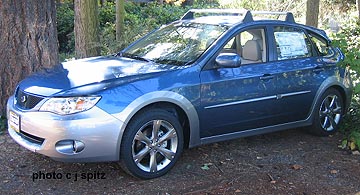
(89, 75)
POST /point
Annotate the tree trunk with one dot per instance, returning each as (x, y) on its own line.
(120, 17)
(87, 42)
(312, 12)
(28, 42)
(358, 8)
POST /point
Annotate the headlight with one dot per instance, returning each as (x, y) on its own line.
(70, 105)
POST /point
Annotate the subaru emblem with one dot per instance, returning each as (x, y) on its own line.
(23, 99)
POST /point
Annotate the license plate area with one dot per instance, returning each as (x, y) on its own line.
(14, 121)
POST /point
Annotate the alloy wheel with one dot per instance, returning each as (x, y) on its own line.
(330, 112)
(154, 145)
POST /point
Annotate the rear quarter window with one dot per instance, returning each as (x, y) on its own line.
(321, 45)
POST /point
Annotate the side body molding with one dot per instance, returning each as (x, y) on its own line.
(344, 84)
(162, 96)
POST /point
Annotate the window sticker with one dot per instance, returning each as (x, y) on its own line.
(291, 44)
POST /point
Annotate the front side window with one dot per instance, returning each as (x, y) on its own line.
(177, 44)
(291, 43)
(249, 45)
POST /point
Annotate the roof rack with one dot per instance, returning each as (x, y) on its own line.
(246, 14)
(289, 17)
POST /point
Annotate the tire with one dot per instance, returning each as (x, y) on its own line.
(151, 144)
(329, 111)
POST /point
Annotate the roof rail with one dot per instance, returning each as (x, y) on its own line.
(247, 15)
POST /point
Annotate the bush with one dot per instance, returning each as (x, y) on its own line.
(65, 27)
(139, 20)
(348, 40)
(107, 13)
(350, 127)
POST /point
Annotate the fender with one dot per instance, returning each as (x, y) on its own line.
(162, 96)
(332, 81)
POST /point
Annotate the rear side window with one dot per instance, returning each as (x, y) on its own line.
(291, 43)
(321, 46)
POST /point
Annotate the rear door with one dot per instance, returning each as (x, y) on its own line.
(299, 72)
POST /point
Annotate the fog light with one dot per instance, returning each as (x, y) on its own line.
(69, 146)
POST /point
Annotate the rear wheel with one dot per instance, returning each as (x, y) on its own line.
(328, 113)
(152, 143)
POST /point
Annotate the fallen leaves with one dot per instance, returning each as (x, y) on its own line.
(351, 145)
(343, 144)
(334, 171)
(296, 167)
(272, 180)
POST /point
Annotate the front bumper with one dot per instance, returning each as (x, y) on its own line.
(41, 132)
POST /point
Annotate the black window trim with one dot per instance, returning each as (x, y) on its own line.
(274, 50)
(328, 44)
(209, 65)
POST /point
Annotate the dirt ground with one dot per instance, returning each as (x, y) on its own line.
(289, 162)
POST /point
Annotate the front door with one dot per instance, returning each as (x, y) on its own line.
(241, 98)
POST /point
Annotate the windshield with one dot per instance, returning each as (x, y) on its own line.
(176, 44)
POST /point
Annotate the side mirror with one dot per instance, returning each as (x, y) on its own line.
(228, 60)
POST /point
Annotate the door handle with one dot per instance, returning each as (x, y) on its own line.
(266, 77)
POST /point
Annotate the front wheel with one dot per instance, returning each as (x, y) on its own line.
(328, 113)
(152, 143)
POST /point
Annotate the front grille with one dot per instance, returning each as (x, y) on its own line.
(25, 100)
(31, 138)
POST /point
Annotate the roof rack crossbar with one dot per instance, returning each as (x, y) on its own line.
(289, 17)
(191, 12)
(247, 15)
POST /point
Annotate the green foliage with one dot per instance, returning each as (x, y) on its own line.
(153, 14)
(348, 40)
(142, 19)
(250, 5)
(65, 27)
(107, 14)
(206, 4)
(351, 126)
(355, 138)
(139, 20)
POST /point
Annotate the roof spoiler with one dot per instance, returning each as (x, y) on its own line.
(246, 14)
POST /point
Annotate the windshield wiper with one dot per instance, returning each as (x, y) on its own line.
(135, 57)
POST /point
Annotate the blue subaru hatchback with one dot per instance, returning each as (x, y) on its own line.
(211, 76)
